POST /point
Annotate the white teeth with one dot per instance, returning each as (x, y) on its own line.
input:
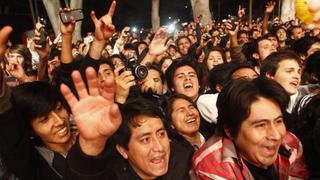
(188, 85)
(191, 120)
(62, 131)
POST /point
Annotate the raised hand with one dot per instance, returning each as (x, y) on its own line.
(67, 28)
(159, 43)
(4, 34)
(270, 6)
(123, 81)
(97, 117)
(43, 52)
(104, 28)
(16, 70)
(241, 12)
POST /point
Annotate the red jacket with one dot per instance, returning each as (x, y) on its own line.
(218, 159)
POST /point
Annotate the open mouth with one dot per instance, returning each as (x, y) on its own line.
(270, 150)
(159, 160)
(188, 85)
(294, 84)
(63, 131)
(191, 120)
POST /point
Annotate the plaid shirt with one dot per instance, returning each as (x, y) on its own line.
(218, 159)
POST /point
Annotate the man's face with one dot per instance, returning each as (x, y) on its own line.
(265, 48)
(261, 134)
(297, 33)
(288, 75)
(183, 46)
(53, 129)
(130, 53)
(105, 75)
(15, 58)
(244, 73)
(282, 35)
(166, 63)
(274, 41)
(185, 117)
(243, 38)
(154, 76)
(148, 148)
(172, 51)
(185, 81)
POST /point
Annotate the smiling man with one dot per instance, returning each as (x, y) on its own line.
(252, 141)
(182, 77)
(285, 68)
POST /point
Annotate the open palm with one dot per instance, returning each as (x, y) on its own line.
(97, 117)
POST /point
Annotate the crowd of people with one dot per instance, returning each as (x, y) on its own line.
(231, 100)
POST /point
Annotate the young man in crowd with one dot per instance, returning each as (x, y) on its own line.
(285, 68)
(252, 141)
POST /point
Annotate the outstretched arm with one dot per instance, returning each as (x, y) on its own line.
(66, 34)
(97, 117)
(269, 9)
(104, 29)
(158, 45)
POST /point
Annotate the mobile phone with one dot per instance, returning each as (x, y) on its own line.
(77, 14)
(43, 35)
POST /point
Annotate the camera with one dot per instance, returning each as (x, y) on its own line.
(139, 71)
(207, 37)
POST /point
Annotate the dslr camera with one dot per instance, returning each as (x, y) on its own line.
(139, 71)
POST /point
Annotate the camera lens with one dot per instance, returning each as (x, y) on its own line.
(141, 72)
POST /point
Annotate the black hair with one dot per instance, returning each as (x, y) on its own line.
(184, 61)
(302, 45)
(312, 67)
(218, 75)
(157, 68)
(272, 35)
(107, 61)
(271, 62)
(34, 99)
(169, 104)
(133, 108)
(130, 46)
(237, 97)
(168, 108)
(307, 129)
(163, 60)
(235, 66)
(182, 37)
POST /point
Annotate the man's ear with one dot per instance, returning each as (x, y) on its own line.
(122, 151)
(255, 56)
(228, 133)
(268, 75)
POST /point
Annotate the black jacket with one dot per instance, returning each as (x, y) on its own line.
(108, 166)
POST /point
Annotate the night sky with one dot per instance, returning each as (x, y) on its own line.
(129, 12)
